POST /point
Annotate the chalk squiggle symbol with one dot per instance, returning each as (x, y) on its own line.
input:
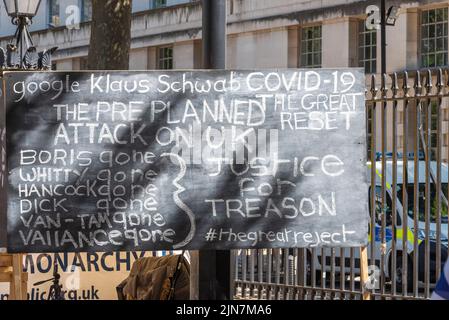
(178, 201)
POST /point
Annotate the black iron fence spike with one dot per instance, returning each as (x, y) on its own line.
(383, 86)
(394, 84)
(418, 85)
(373, 88)
(428, 84)
(440, 83)
(405, 85)
(384, 81)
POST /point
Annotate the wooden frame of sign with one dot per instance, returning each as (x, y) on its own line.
(364, 273)
(11, 271)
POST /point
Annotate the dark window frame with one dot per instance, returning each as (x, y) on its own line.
(86, 16)
(311, 48)
(367, 50)
(433, 31)
(53, 10)
(165, 57)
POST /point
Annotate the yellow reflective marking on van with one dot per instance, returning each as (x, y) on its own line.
(380, 176)
(399, 233)
(410, 235)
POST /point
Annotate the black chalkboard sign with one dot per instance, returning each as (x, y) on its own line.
(105, 161)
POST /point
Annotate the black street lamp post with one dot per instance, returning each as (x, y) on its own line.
(22, 54)
(387, 18)
(212, 276)
(383, 38)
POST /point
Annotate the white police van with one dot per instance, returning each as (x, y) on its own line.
(398, 229)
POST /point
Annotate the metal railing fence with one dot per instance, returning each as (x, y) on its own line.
(407, 139)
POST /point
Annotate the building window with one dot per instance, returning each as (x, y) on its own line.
(311, 47)
(165, 58)
(86, 10)
(159, 4)
(367, 48)
(434, 35)
(53, 13)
